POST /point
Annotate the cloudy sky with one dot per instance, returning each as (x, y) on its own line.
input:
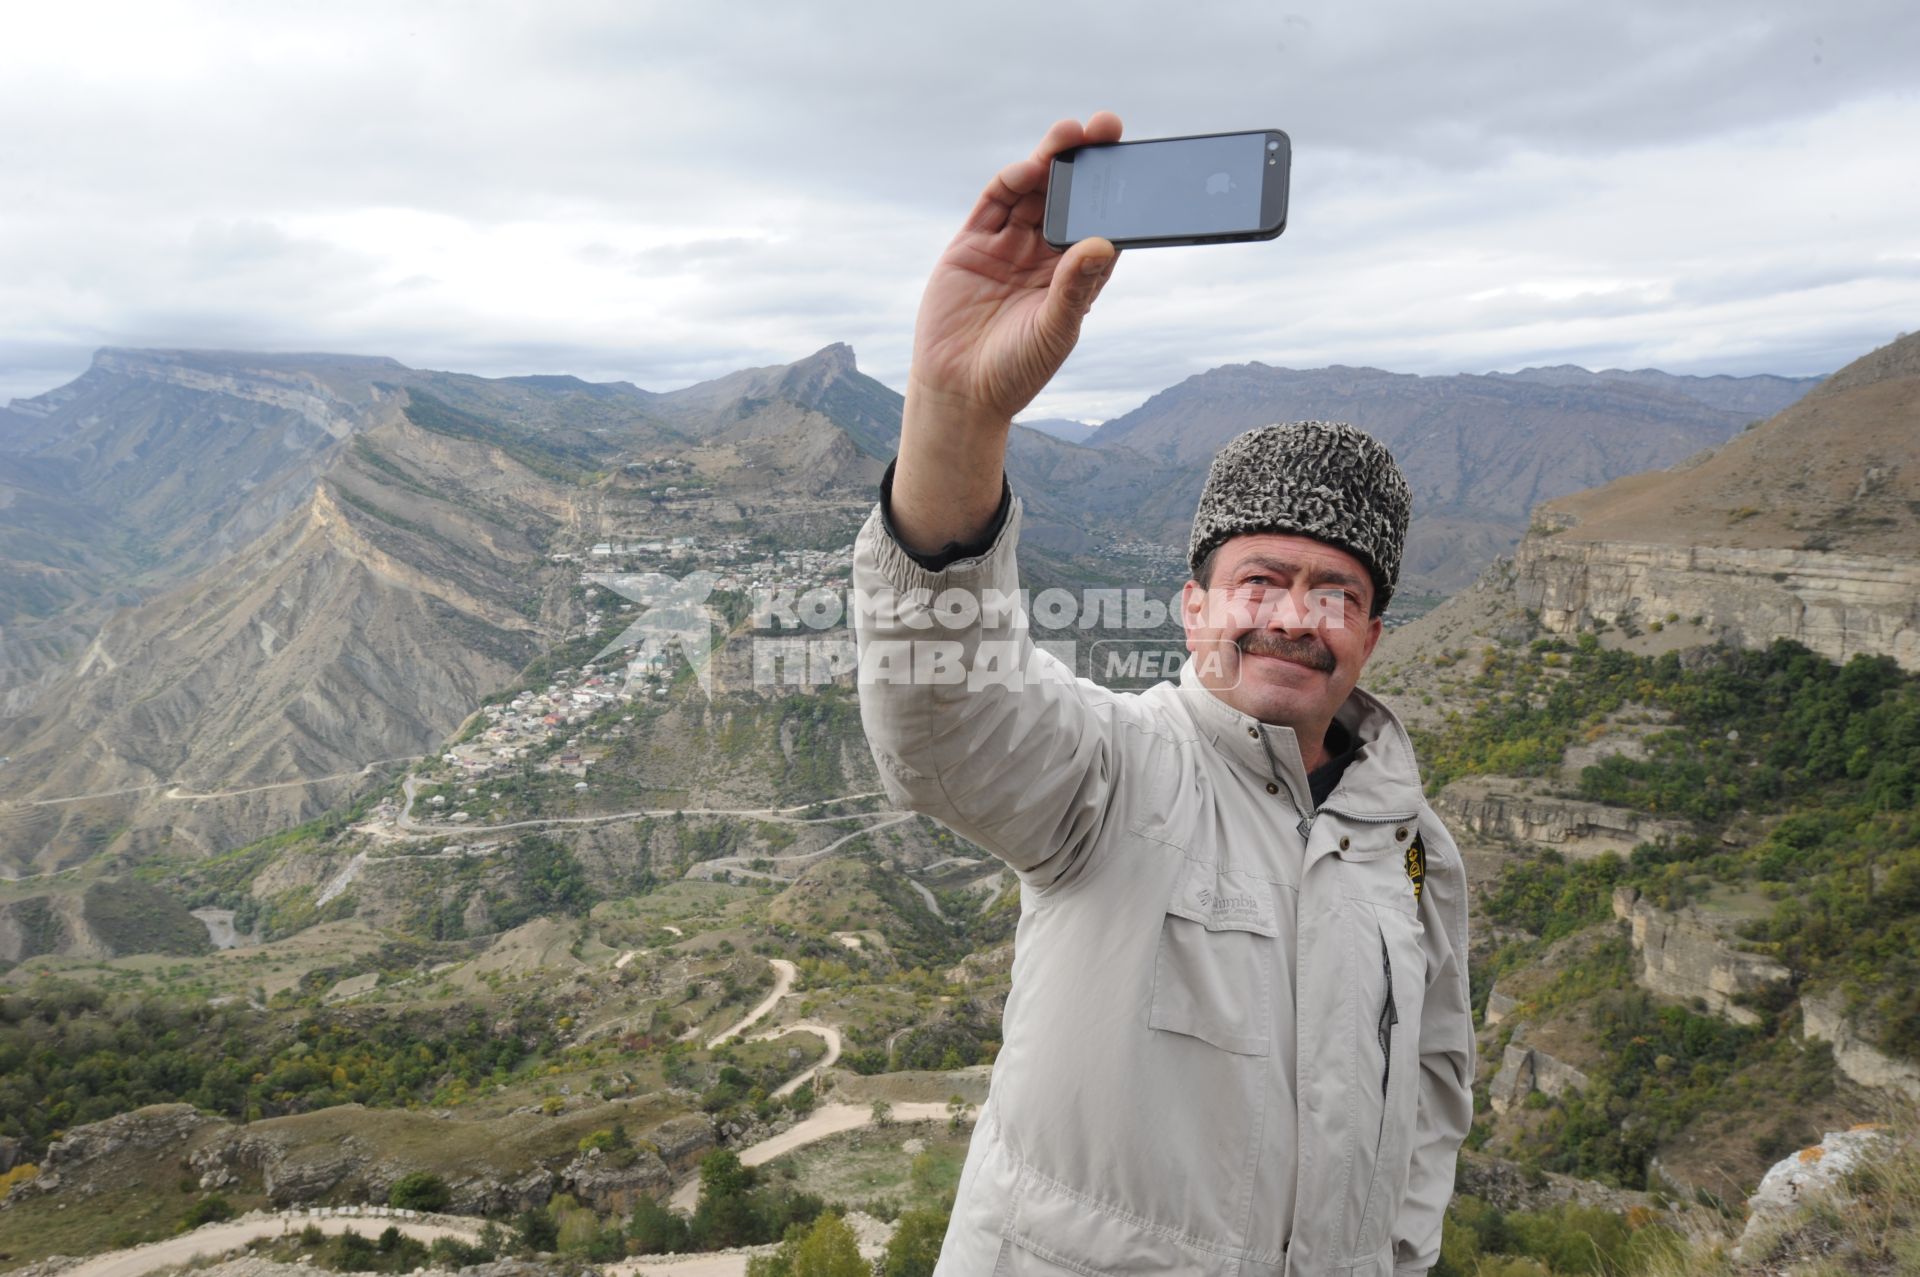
(666, 192)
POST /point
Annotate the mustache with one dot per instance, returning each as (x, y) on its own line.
(1306, 651)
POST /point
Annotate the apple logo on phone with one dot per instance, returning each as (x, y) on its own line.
(1220, 184)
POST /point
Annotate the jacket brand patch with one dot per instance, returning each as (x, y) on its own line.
(1231, 907)
(1416, 865)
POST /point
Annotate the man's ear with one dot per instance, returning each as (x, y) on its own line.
(1374, 630)
(1193, 603)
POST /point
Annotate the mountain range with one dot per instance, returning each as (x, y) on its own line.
(232, 582)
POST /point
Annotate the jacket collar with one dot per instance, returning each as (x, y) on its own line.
(1383, 778)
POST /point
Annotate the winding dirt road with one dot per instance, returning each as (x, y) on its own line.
(731, 1264)
(708, 869)
(828, 1119)
(216, 1238)
(826, 1032)
(783, 815)
(176, 794)
(784, 974)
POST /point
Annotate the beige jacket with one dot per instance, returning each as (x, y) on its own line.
(1238, 1041)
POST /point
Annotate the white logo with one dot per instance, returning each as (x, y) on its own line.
(673, 612)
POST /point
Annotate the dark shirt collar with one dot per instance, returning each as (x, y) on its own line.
(1341, 749)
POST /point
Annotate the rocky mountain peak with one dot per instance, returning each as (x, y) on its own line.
(1895, 361)
(807, 379)
(835, 358)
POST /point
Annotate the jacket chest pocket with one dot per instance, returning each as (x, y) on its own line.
(1213, 971)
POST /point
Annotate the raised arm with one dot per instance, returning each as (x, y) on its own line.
(1022, 761)
(1000, 314)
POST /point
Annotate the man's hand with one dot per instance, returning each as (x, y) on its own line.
(1001, 313)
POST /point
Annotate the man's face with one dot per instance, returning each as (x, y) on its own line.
(1282, 628)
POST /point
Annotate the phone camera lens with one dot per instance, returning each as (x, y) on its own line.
(1273, 146)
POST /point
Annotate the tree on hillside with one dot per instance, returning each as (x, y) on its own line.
(655, 1230)
(827, 1249)
(914, 1247)
(538, 1233)
(725, 1214)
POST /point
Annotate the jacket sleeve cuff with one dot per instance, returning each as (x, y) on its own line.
(953, 551)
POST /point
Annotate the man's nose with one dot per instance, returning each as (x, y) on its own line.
(1291, 612)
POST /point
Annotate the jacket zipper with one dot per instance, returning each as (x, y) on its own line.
(1390, 818)
(1305, 825)
(1389, 1016)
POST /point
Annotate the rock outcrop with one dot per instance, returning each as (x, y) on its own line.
(986, 965)
(683, 1141)
(298, 1164)
(611, 1182)
(1524, 1070)
(1683, 956)
(291, 1174)
(1818, 1171)
(1504, 808)
(1499, 1006)
(295, 1170)
(71, 1160)
(1823, 1016)
(1513, 1187)
(486, 1195)
(1836, 604)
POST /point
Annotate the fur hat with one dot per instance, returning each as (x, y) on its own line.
(1321, 479)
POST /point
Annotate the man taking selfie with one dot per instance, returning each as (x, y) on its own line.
(1238, 1039)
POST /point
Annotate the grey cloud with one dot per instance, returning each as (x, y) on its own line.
(676, 257)
(793, 170)
(1778, 278)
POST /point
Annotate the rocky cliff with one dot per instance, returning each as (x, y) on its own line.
(1524, 1070)
(350, 1154)
(1824, 1016)
(1805, 527)
(1837, 604)
(1501, 807)
(1684, 956)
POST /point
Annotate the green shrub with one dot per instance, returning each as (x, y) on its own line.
(655, 1230)
(451, 1252)
(826, 1249)
(211, 1209)
(421, 1190)
(914, 1247)
(536, 1231)
(353, 1253)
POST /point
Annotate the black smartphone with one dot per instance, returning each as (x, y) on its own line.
(1212, 188)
